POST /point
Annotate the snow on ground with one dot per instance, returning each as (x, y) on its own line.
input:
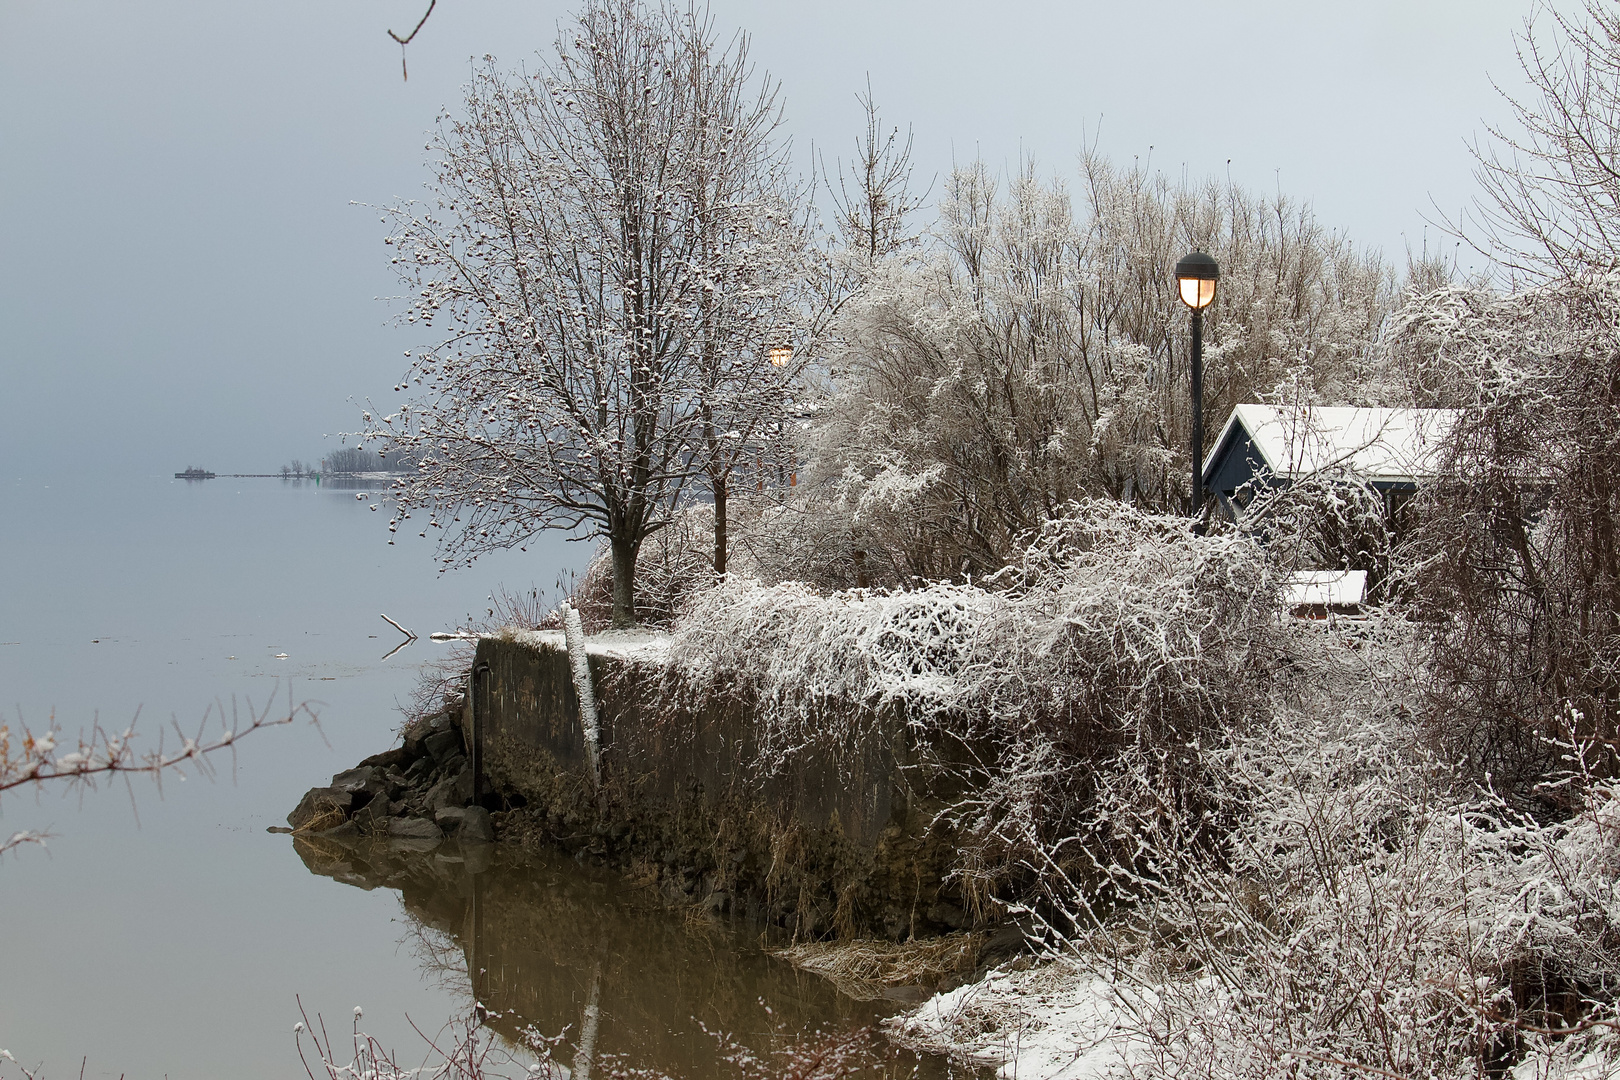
(1066, 1021)
(623, 644)
(1591, 1066)
(1056, 1021)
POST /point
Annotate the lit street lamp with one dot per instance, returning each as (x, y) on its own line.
(1197, 275)
(780, 355)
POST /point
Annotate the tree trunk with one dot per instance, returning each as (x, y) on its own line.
(720, 494)
(624, 582)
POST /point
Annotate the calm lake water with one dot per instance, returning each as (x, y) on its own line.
(165, 933)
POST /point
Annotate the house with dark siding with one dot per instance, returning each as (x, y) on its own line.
(1391, 450)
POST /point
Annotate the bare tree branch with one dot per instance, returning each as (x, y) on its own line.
(406, 40)
(29, 759)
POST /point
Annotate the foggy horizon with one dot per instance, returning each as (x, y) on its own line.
(186, 282)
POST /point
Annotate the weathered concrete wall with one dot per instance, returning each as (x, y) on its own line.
(529, 714)
(834, 838)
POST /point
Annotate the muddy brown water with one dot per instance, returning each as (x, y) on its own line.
(537, 939)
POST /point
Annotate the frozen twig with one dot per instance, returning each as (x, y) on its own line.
(27, 758)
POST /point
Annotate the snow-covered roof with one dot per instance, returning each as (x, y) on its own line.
(1395, 445)
(1329, 588)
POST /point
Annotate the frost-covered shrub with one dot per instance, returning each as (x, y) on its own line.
(1516, 552)
(1362, 905)
(1361, 909)
(1116, 629)
(810, 535)
(1330, 519)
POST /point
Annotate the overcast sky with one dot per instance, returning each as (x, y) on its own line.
(183, 278)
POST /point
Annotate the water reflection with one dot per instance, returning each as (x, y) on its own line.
(545, 945)
(378, 482)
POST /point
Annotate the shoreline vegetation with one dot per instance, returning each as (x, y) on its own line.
(1185, 806)
(933, 488)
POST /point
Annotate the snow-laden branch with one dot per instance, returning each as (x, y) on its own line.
(44, 759)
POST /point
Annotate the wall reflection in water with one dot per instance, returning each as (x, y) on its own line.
(547, 945)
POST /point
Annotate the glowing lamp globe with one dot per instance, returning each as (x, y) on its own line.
(1197, 275)
(780, 355)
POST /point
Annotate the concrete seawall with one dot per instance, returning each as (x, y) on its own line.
(827, 839)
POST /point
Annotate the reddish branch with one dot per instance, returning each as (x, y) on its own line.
(406, 40)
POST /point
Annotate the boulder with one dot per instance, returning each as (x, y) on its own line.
(414, 733)
(450, 818)
(388, 759)
(461, 787)
(373, 818)
(367, 778)
(455, 790)
(441, 744)
(438, 796)
(476, 827)
(467, 824)
(414, 829)
(320, 808)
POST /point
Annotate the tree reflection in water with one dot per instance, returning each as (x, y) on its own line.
(541, 945)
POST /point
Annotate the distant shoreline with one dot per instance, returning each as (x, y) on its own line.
(372, 475)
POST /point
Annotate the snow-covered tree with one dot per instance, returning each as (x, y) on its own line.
(1033, 352)
(1549, 202)
(608, 248)
(1517, 550)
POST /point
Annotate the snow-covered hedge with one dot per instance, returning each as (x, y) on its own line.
(1236, 822)
(1364, 917)
(1116, 629)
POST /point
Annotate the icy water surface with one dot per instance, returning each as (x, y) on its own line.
(166, 934)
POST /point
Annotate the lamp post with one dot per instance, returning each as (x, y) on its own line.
(1197, 275)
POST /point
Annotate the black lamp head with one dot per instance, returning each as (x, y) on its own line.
(1197, 275)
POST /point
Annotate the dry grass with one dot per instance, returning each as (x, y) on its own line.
(329, 817)
(865, 969)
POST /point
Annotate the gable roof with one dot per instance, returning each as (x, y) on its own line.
(1391, 445)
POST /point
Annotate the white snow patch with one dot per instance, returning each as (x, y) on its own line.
(1058, 1021)
(622, 644)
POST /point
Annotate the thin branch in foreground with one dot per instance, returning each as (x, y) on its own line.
(406, 40)
(30, 759)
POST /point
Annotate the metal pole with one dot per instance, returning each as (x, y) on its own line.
(1197, 411)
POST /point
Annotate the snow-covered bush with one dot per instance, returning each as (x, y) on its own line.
(1516, 551)
(809, 534)
(1338, 901)
(1032, 353)
(1330, 519)
(1116, 630)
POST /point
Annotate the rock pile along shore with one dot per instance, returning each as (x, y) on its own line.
(419, 793)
